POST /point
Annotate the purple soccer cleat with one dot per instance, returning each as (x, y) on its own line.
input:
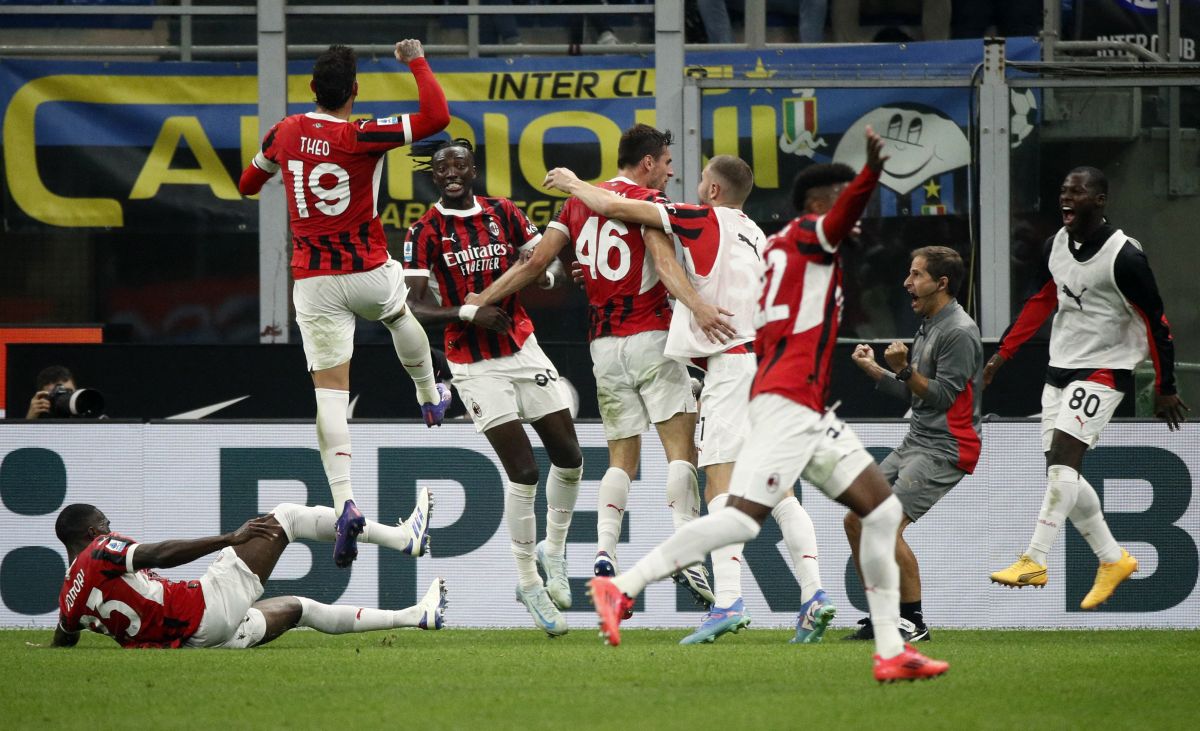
(348, 527)
(434, 413)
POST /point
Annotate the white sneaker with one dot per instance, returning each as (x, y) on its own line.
(607, 38)
(545, 615)
(418, 523)
(433, 606)
(558, 586)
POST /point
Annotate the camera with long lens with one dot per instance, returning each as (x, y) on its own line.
(82, 402)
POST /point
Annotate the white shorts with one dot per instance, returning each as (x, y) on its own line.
(1082, 409)
(725, 407)
(523, 385)
(229, 621)
(787, 441)
(637, 385)
(326, 306)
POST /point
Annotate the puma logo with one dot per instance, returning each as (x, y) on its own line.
(614, 507)
(341, 454)
(1077, 297)
(1079, 420)
(742, 237)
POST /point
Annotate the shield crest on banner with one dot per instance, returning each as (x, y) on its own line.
(800, 126)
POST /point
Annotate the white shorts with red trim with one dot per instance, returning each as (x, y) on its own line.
(1082, 409)
(725, 407)
(524, 385)
(637, 385)
(229, 621)
(788, 441)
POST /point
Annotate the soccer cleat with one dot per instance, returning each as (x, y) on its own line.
(908, 665)
(866, 630)
(418, 523)
(814, 619)
(695, 580)
(347, 529)
(1025, 572)
(611, 607)
(910, 631)
(1108, 576)
(434, 413)
(605, 565)
(545, 615)
(433, 606)
(558, 586)
(718, 622)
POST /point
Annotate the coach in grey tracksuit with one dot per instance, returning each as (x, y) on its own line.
(943, 383)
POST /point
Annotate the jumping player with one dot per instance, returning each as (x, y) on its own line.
(1110, 317)
(340, 259)
(463, 243)
(793, 434)
(723, 261)
(636, 383)
(111, 588)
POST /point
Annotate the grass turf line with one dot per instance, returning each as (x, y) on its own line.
(520, 679)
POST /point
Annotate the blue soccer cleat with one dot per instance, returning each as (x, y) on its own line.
(718, 622)
(813, 619)
(347, 529)
(605, 565)
(434, 413)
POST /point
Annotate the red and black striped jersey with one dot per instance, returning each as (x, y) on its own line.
(801, 302)
(625, 296)
(463, 251)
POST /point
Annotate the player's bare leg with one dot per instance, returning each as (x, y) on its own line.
(623, 458)
(333, 437)
(557, 432)
(678, 436)
(288, 612)
(516, 456)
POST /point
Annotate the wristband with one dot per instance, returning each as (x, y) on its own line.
(467, 312)
(550, 280)
(904, 374)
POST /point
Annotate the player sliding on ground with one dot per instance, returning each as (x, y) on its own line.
(331, 166)
(723, 261)
(111, 588)
(793, 434)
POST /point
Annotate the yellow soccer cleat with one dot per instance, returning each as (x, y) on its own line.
(1025, 572)
(1108, 576)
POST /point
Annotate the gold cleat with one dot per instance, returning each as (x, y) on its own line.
(1108, 577)
(1025, 572)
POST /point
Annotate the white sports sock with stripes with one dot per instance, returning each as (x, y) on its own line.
(801, 540)
(522, 531)
(727, 563)
(339, 620)
(333, 438)
(610, 509)
(412, 347)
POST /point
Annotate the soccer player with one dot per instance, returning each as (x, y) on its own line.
(636, 383)
(1110, 317)
(792, 433)
(942, 384)
(461, 244)
(722, 258)
(340, 259)
(111, 587)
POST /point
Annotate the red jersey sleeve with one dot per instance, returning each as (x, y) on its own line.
(1037, 308)
(418, 248)
(380, 135)
(262, 167)
(698, 231)
(835, 225)
(522, 232)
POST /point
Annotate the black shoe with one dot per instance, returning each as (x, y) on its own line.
(865, 632)
(911, 632)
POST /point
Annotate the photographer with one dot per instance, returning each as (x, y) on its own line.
(58, 398)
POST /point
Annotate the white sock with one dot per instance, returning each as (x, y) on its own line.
(687, 546)
(801, 541)
(1088, 517)
(727, 563)
(1062, 489)
(340, 620)
(333, 437)
(522, 531)
(412, 345)
(562, 489)
(610, 508)
(683, 492)
(881, 574)
(317, 524)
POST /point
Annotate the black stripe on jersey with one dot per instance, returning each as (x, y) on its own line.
(686, 233)
(826, 324)
(335, 256)
(437, 263)
(364, 237)
(626, 308)
(380, 136)
(356, 261)
(606, 319)
(468, 237)
(688, 212)
(270, 140)
(775, 358)
(314, 254)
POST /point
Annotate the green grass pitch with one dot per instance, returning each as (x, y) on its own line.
(520, 679)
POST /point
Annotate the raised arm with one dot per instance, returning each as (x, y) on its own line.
(526, 272)
(837, 224)
(166, 554)
(675, 279)
(433, 114)
(605, 202)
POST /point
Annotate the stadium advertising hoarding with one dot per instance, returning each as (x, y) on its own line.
(164, 480)
(153, 146)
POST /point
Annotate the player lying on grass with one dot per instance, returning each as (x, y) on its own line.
(111, 587)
